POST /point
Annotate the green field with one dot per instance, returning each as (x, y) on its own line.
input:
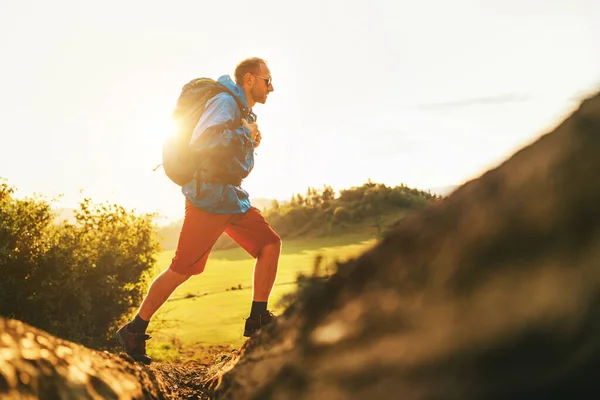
(206, 312)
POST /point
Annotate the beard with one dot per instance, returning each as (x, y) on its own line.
(258, 96)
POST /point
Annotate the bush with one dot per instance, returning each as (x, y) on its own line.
(76, 281)
(341, 215)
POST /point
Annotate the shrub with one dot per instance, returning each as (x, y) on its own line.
(76, 281)
(341, 215)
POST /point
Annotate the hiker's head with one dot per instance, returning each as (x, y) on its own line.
(254, 77)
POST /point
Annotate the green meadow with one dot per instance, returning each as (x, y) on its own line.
(209, 309)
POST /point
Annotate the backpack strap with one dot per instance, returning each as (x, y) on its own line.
(245, 111)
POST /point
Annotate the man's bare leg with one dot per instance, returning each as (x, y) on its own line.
(132, 336)
(161, 288)
(265, 271)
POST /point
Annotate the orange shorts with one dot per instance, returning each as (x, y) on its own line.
(201, 230)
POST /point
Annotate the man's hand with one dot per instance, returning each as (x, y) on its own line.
(257, 139)
(254, 132)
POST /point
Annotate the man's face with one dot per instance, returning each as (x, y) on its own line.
(262, 85)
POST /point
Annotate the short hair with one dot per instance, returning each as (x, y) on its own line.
(251, 65)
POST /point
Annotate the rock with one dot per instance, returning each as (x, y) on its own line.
(34, 364)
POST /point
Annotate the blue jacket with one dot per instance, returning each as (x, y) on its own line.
(227, 150)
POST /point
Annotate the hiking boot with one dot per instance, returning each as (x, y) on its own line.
(254, 324)
(134, 344)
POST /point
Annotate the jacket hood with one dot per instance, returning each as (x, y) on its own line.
(234, 88)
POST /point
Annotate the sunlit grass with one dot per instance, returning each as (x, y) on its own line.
(205, 311)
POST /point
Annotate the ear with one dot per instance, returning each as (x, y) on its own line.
(248, 78)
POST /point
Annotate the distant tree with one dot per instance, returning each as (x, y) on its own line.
(313, 197)
(328, 193)
(275, 204)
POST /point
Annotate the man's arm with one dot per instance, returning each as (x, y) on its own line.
(217, 124)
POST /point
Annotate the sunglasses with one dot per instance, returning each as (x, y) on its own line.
(268, 81)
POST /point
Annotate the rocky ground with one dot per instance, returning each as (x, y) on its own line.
(34, 364)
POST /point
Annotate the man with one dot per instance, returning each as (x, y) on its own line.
(215, 203)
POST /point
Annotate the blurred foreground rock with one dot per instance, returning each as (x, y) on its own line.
(34, 364)
(492, 293)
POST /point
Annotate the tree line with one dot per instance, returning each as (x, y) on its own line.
(322, 212)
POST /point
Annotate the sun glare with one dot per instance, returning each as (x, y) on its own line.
(151, 128)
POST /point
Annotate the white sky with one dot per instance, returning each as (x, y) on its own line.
(427, 93)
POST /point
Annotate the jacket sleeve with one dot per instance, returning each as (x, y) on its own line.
(219, 124)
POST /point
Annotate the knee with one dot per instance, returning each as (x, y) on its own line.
(174, 277)
(276, 245)
(271, 248)
(181, 269)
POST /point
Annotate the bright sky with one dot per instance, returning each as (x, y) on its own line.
(427, 93)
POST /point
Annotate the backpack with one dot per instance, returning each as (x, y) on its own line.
(178, 160)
